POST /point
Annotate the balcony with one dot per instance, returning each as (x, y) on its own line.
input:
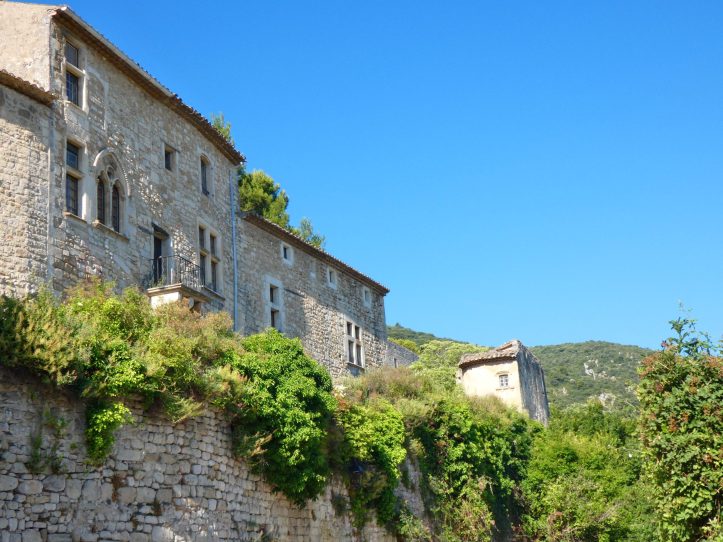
(175, 278)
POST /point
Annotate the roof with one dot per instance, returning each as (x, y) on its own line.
(145, 80)
(27, 88)
(507, 351)
(286, 235)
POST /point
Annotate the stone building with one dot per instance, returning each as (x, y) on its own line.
(106, 173)
(510, 372)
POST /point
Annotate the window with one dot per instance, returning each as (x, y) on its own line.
(331, 278)
(209, 258)
(73, 74)
(100, 200)
(204, 176)
(71, 194)
(354, 350)
(274, 304)
(287, 254)
(72, 178)
(72, 155)
(169, 158)
(116, 208)
(367, 297)
(504, 380)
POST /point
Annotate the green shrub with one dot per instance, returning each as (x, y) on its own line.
(681, 425)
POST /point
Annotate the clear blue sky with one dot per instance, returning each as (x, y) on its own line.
(551, 171)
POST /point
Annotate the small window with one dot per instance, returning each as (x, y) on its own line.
(201, 237)
(354, 350)
(72, 155)
(504, 381)
(367, 297)
(71, 195)
(273, 294)
(202, 264)
(331, 277)
(287, 254)
(214, 275)
(212, 238)
(275, 320)
(115, 210)
(100, 200)
(169, 158)
(204, 176)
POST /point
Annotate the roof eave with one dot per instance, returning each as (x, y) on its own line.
(146, 81)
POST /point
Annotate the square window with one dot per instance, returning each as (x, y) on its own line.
(504, 381)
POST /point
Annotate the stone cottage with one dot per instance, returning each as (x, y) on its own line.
(106, 173)
(510, 372)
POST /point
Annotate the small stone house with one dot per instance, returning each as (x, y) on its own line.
(106, 173)
(510, 372)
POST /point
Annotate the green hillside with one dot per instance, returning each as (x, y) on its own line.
(575, 372)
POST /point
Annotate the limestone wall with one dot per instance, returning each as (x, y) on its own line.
(310, 307)
(483, 379)
(161, 483)
(25, 126)
(24, 32)
(534, 393)
(398, 356)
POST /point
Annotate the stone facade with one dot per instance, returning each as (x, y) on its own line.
(162, 483)
(168, 176)
(510, 372)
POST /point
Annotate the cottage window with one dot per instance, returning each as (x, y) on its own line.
(504, 380)
(73, 74)
(354, 350)
(287, 254)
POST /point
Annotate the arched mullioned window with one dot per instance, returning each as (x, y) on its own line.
(116, 208)
(100, 200)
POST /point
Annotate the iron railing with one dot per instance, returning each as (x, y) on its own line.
(168, 270)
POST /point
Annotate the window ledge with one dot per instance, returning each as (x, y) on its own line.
(76, 106)
(350, 364)
(111, 231)
(505, 389)
(68, 214)
(214, 293)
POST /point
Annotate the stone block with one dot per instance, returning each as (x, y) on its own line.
(8, 483)
(54, 483)
(30, 487)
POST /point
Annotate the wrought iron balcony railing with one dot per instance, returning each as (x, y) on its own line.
(170, 270)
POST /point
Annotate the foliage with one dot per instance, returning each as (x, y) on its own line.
(223, 126)
(307, 233)
(583, 481)
(281, 415)
(398, 331)
(406, 343)
(577, 372)
(439, 359)
(260, 194)
(373, 448)
(681, 425)
(102, 422)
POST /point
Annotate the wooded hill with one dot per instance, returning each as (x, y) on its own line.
(574, 372)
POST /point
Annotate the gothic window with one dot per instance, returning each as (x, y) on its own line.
(116, 208)
(100, 200)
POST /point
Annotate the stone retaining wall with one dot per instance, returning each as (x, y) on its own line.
(161, 483)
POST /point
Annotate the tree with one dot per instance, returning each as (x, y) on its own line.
(307, 233)
(223, 126)
(259, 193)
